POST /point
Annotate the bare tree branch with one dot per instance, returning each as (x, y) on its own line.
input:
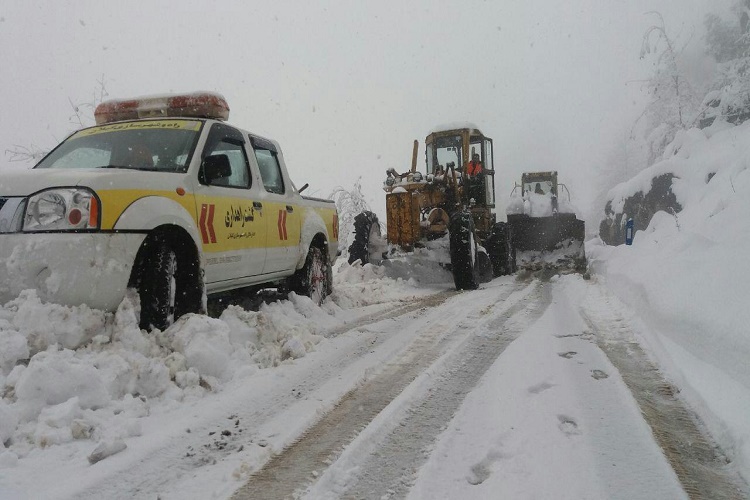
(25, 153)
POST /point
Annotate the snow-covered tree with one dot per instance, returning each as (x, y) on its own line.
(723, 39)
(349, 203)
(728, 41)
(673, 103)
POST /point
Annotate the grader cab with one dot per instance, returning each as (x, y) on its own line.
(455, 195)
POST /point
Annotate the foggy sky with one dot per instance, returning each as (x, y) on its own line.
(347, 86)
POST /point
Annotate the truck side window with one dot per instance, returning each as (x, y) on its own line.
(266, 154)
(270, 170)
(225, 140)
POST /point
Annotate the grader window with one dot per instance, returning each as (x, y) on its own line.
(487, 161)
(448, 150)
(475, 147)
(538, 187)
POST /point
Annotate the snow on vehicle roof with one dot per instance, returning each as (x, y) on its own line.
(453, 126)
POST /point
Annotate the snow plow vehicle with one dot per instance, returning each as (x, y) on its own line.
(454, 198)
(545, 231)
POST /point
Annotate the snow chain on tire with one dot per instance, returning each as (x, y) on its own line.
(462, 250)
(364, 225)
(314, 279)
(168, 280)
(157, 288)
(499, 245)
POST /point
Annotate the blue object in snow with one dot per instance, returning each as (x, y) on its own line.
(629, 232)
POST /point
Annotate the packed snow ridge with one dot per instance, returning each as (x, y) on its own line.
(74, 373)
(687, 276)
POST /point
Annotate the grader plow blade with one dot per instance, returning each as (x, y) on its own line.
(554, 242)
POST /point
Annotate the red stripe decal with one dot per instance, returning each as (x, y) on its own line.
(211, 223)
(202, 223)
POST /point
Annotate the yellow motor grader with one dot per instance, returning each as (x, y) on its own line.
(451, 197)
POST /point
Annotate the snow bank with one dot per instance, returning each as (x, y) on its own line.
(687, 276)
(403, 273)
(694, 156)
(73, 373)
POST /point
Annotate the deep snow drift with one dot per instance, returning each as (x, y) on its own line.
(687, 277)
(76, 374)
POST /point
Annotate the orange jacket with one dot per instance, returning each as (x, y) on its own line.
(474, 168)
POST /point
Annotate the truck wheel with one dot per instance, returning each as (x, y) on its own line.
(463, 250)
(167, 279)
(313, 280)
(500, 248)
(158, 285)
(483, 265)
(367, 245)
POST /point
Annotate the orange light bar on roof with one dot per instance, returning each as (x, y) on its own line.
(194, 105)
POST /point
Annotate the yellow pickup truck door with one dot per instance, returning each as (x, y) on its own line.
(284, 214)
(231, 219)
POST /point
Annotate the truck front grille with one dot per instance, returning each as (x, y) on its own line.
(11, 211)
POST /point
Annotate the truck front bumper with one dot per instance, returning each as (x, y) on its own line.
(68, 268)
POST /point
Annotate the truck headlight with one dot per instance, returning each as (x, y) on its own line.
(62, 209)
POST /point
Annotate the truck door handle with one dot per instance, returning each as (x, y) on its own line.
(289, 208)
(258, 205)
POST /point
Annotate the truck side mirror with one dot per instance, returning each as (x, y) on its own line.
(215, 167)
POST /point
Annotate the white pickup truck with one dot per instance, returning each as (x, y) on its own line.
(161, 196)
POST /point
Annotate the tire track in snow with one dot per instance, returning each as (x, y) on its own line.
(389, 471)
(203, 445)
(409, 306)
(701, 467)
(296, 467)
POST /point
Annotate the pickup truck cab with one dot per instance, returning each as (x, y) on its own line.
(164, 197)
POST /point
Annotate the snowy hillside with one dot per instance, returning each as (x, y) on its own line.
(687, 276)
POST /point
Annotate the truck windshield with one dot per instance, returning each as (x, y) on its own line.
(156, 145)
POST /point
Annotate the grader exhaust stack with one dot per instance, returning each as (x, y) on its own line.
(414, 156)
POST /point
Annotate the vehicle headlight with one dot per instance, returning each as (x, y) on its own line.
(418, 177)
(62, 209)
(390, 181)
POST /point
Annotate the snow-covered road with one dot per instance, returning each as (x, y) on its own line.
(547, 413)
(525, 388)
